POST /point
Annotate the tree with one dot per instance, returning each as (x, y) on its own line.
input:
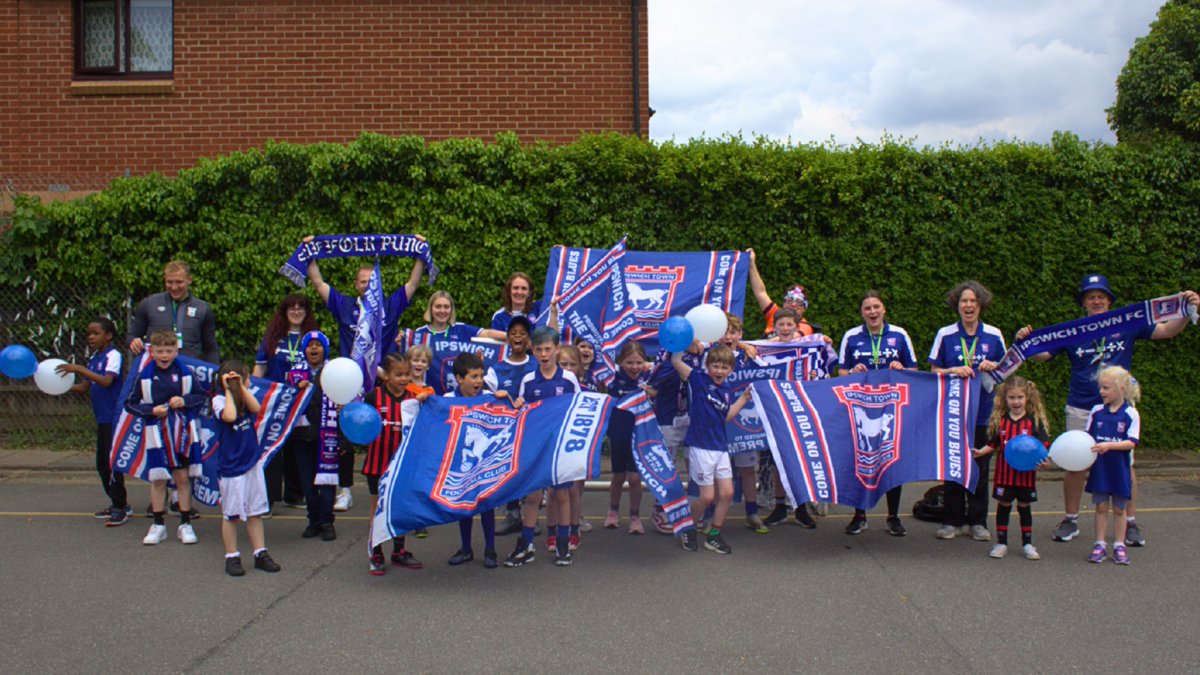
(1158, 90)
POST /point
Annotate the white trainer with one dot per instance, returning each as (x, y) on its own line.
(998, 551)
(344, 500)
(185, 533)
(156, 535)
(1030, 552)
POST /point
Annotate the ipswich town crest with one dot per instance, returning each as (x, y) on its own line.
(876, 413)
(480, 454)
(652, 291)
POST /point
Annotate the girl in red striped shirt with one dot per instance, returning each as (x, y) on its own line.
(1018, 410)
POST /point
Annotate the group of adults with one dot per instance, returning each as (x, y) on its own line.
(964, 348)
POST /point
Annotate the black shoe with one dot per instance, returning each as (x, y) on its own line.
(117, 517)
(525, 552)
(803, 519)
(895, 527)
(511, 523)
(403, 558)
(311, 531)
(563, 558)
(193, 514)
(777, 516)
(104, 513)
(233, 567)
(688, 541)
(715, 543)
(857, 525)
(462, 556)
(328, 533)
(294, 505)
(489, 559)
(264, 562)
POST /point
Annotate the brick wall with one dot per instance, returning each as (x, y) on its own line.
(313, 70)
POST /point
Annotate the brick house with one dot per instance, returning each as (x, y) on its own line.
(95, 89)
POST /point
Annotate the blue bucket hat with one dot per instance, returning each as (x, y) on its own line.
(315, 335)
(1094, 282)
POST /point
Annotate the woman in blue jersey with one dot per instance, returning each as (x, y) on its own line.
(876, 345)
(443, 334)
(965, 349)
(517, 296)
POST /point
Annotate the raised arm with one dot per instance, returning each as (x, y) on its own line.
(414, 279)
(756, 283)
(1169, 329)
(314, 277)
(684, 370)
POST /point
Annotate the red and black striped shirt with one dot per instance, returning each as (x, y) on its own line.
(381, 450)
(1005, 475)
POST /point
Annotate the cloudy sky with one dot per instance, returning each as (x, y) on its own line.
(933, 70)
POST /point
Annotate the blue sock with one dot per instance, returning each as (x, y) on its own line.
(487, 520)
(574, 530)
(527, 533)
(563, 531)
(751, 507)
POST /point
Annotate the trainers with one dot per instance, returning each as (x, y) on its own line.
(584, 525)
(947, 532)
(421, 533)
(510, 524)
(573, 542)
(461, 556)
(1120, 556)
(104, 513)
(156, 535)
(1099, 553)
(688, 541)
(857, 525)
(311, 531)
(563, 558)
(777, 516)
(344, 500)
(980, 533)
(263, 561)
(612, 520)
(715, 543)
(1066, 530)
(489, 559)
(755, 522)
(661, 524)
(702, 524)
(551, 543)
(1030, 552)
(378, 568)
(895, 527)
(998, 551)
(804, 519)
(233, 566)
(635, 526)
(525, 552)
(117, 518)
(1133, 534)
(403, 558)
(186, 534)
(328, 533)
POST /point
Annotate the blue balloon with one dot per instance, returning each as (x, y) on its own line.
(675, 334)
(1024, 452)
(18, 362)
(360, 422)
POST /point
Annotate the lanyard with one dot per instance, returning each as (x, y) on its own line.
(174, 313)
(293, 349)
(876, 343)
(969, 354)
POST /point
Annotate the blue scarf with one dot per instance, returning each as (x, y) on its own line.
(327, 428)
(655, 464)
(356, 245)
(596, 307)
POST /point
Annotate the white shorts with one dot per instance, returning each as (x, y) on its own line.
(707, 466)
(244, 496)
(743, 460)
(674, 433)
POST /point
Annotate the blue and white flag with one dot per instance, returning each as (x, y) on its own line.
(816, 359)
(368, 333)
(659, 284)
(281, 405)
(465, 456)
(1092, 329)
(850, 440)
(446, 347)
(356, 246)
(655, 463)
(596, 307)
(745, 431)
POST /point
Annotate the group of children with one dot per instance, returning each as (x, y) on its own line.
(537, 366)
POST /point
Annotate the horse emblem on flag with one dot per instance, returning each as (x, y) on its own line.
(652, 290)
(876, 413)
(480, 455)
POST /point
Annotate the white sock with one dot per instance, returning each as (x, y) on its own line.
(1129, 519)
(1101, 543)
(235, 554)
(1072, 516)
(259, 550)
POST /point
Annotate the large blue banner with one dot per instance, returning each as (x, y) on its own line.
(849, 440)
(446, 348)
(655, 463)
(660, 284)
(469, 455)
(281, 405)
(596, 307)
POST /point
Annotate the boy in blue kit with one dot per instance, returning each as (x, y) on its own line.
(506, 377)
(1116, 427)
(710, 408)
(167, 399)
(468, 374)
(547, 381)
(243, 486)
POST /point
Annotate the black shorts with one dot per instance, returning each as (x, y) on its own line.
(373, 485)
(622, 456)
(1002, 493)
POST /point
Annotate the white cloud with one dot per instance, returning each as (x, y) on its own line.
(935, 70)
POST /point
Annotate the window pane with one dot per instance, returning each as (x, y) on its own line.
(150, 42)
(99, 34)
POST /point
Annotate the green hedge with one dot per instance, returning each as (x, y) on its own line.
(1027, 220)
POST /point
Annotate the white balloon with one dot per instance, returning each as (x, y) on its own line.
(51, 382)
(1072, 450)
(342, 380)
(708, 322)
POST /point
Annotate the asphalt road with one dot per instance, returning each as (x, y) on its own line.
(79, 597)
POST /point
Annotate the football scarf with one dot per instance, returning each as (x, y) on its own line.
(369, 331)
(597, 308)
(327, 429)
(655, 463)
(356, 245)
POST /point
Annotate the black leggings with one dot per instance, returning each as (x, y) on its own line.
(112, 482)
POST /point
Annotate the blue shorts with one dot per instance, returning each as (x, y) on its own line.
(1118, 501)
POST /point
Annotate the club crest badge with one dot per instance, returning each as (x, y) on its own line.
(876, 413)
(480, 455)
(652, 291)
